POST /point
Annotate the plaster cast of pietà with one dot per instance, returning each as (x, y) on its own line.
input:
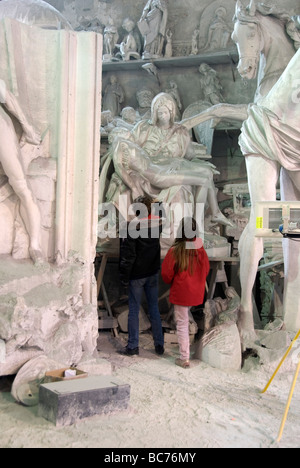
(157, 158)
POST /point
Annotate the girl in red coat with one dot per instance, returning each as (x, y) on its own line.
(185, 267)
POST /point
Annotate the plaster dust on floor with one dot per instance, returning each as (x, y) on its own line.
(170, 407)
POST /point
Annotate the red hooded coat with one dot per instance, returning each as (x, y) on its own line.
(187, 289)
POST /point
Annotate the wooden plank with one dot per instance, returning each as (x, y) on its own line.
(107, 305)
(107, 322)
(101, 272)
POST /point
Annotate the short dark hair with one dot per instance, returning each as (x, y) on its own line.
(145, 200)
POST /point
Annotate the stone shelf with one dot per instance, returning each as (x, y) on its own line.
(212, 58)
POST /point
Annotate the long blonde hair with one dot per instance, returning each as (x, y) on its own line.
(183, 253)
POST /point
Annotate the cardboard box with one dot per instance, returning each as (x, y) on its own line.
(59, 375)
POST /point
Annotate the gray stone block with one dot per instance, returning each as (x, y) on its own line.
(64, 403)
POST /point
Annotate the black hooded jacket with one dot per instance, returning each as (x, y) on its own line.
(140, 249)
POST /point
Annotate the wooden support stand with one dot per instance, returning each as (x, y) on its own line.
(109, 322)
(218, 275)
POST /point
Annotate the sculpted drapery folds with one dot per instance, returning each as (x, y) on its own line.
(152, 26)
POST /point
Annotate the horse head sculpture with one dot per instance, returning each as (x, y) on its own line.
(263, 36)
(266, 37)
(248, 38)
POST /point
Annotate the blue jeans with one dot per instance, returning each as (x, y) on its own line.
(136, 288)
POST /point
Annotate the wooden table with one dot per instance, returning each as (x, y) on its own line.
(101, 287)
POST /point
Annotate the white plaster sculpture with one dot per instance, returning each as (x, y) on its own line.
(220, 346)
(25, 389)
(195, 37)
(270, 141)
(110, 40)
(131, 44)
(157, 158)
(34, 13)
(293, 30)
(107, 122)
(152, 26)
(218, 32)
(158, 151)
(129, 118)
(50, 310)
(204, 131)
(264, 44)
(152, 70)
(144, 98)
(169, 45)
(113, 96)
(215, 26)
(10, 159)
(210, 84)
(154, 149)
(212, 94)
(173, 91)
(89, 24)
(211, 91)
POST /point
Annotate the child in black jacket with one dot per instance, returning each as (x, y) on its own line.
(139, 271)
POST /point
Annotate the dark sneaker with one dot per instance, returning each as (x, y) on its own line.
(159, 349)
(129, 352)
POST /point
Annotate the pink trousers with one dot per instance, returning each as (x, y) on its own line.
(182, 325)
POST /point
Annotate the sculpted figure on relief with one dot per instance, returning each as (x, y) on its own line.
(10, 158)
